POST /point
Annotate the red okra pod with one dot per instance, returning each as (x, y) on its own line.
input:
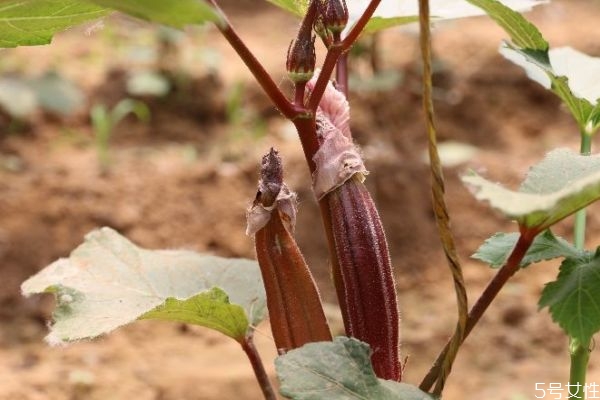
(295, 308)
(362, 274)
(360, 261)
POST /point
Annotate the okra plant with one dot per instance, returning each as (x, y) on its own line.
(108, 281)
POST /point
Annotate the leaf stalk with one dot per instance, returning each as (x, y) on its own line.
(579, 351)
(485, 299)
(258, 367)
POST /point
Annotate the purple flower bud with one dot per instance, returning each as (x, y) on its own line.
(301, 57)
(335, 15)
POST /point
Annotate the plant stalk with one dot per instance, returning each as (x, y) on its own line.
(580, 216)
(335, 51)
(439, 203)
(258, 367)
(341, 74)
(580, 356)
(485, 299)
(579, 351)
(307, 131)
(257, 69)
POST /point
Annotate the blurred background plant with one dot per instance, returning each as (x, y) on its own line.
(105, 119)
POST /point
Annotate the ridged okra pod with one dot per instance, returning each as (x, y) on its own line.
(362, 273)
(360, 261)
(295, 308)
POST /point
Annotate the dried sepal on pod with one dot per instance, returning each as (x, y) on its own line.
(294, 304)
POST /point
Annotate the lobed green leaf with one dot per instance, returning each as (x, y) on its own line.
(573, 298)
(522, 32)
(211, 309)
(496, 249)
(571, 75)
(391, 13)
(108, 282)
(380, 23)
(337, 370)
(563, 183)
(296, 7)
(177, 14)
(34, 22)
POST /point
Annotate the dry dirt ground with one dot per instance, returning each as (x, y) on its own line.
(185, 180)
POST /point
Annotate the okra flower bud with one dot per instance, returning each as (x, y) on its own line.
(334, 15)
(360, 260)
(295, 308)
(301, 56)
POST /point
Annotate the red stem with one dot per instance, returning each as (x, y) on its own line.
(259, 72)
(299, 91)
(335, 51)
(258, 367)
(493, 288)
(485, 299)
(307, 130)
(341, 74)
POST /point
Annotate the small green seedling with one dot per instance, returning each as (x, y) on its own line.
(104, 121)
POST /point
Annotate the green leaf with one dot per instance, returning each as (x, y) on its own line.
(34, 22)
(522, 32)
(57, 94)
(108, 282)
(392, 13)
(560, 185)
(380, 23)
(495, 250)
(338, 370)
(210, 309)
(297, 7)
(17, 97)
(177, 14)
(148, 83)
(574, 298)
(571, 75)
(594, 120)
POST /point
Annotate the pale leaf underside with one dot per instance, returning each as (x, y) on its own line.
(108, 282)
(338, 370)
(561, 184)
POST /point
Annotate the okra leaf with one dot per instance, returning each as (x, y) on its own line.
(211, 309)
(392, 13)
(379, 23)
(177, 14)
(560, 185)
(34, 22)
(297, 7)
(495, 250)
(108, 282)
(573, 298)
(594, 119)
(337, 370)
(570, 74)
(522, 32)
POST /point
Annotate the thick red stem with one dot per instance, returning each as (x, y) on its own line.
(260, 74)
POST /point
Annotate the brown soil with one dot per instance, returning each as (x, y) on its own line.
(185, 180)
